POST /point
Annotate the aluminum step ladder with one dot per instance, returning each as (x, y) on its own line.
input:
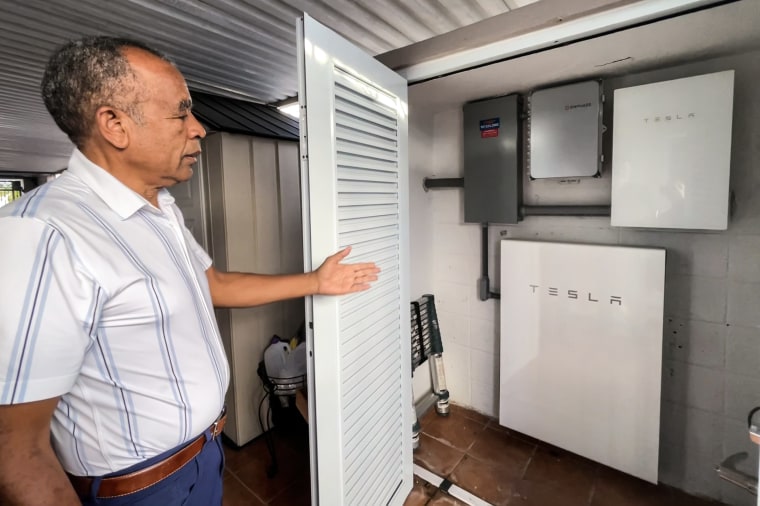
(427, 347)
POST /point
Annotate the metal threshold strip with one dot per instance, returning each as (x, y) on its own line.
(448, 487)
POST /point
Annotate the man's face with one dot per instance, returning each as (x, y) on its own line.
(165, 141)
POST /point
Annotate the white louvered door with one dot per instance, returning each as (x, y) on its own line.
(354, 176)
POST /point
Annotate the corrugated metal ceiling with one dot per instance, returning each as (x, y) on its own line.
(236, 48)
(223, 114)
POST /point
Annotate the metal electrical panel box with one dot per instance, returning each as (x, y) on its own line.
(565, 131)
(492, 160)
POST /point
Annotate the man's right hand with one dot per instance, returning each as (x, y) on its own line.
(30, 474)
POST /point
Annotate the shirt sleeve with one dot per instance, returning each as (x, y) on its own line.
(195, 249)
(48, 307)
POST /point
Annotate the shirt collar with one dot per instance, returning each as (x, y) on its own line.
(124, 201)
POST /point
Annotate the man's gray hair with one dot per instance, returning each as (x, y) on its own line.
(86, 74)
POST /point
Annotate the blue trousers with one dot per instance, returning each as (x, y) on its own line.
(197, 483)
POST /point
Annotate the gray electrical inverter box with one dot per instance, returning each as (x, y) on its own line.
(565, 131)
(492, 156)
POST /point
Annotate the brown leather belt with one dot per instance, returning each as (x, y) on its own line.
(129, 483)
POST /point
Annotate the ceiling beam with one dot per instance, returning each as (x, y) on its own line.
(542, 25)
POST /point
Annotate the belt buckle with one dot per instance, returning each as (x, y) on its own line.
(215, 430)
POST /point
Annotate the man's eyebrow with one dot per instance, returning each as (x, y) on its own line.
(185, 105)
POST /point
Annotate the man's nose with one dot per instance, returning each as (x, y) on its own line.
(195, 129)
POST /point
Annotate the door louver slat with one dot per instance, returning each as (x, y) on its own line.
(345, 121)
(364, 174)
(347, 160)
(364, 150)
(368, 199)
(348, 212)
(367, 223)
(349, 133)
(387, 233)
(353, 186)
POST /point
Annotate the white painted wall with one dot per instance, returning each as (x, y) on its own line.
(711, 363)
(420, 227)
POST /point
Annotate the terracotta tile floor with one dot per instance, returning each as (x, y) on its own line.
(470, 450)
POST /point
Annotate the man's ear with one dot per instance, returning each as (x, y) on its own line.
(113, 126)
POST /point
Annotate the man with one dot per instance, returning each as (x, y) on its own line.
(108, 344)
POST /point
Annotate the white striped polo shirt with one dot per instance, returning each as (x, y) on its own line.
(104, 301)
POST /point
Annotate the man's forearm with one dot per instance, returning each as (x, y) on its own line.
(30, 474)
(33, 477)
(236, 289)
